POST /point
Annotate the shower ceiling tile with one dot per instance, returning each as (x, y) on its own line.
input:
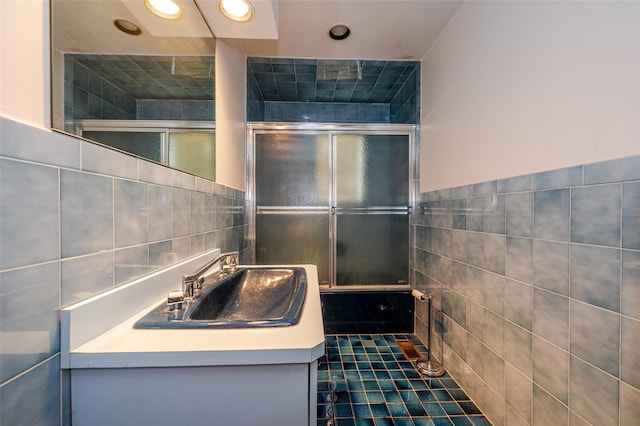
(176, 77)
(335, 80)
(283, 68)
(260, 67)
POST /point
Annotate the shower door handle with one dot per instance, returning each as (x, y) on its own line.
(371, 210)
(298, 210)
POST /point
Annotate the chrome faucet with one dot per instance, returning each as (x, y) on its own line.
(194, 281)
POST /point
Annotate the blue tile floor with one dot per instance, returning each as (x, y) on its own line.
(366, 380)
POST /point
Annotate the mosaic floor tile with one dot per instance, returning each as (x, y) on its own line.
(366, 380)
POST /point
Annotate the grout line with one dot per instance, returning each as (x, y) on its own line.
(344, 345)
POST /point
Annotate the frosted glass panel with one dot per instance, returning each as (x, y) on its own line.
(292, 170)
(193, 152)
(372, 170)
(363, 180)
(144, 144)
(372, 249)
(294, 239)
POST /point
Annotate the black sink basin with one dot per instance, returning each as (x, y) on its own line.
(249, 297)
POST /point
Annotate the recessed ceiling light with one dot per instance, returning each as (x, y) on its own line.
(127, 27)
(167, 9)
(339, 32)
(237, 10)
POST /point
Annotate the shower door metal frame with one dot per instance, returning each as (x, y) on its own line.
(332, 130)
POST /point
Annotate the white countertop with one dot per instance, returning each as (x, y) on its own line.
(122, 346)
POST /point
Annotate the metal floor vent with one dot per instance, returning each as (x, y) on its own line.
(409, 349)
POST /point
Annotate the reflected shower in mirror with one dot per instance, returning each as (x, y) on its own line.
(136, 82)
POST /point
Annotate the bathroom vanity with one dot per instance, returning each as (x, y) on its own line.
(239, 376)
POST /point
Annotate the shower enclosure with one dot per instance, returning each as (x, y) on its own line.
(335, 196)
(184, 145)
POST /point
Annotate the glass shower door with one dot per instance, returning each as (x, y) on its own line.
(371, 212)
(292, 189)
(337, 200)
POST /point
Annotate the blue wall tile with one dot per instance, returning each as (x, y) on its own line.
(273, 111)
(29, 213)
(86, 213)
(161, 255)
(494, 214)
(81, 204)
(515, 184)
(98, 159)
(595, 215)
(33, 398)
(494, 253)
(555, 380)
(631, 215)
(461, 191)
(329, 113)
(131, 214)
(583, 379)
(459, 214)
(548, 410)
(620, 170)
(518, 349)
(131, 263)
(595, 276)
(160, 223)
(551, 214)
(380, 113)
(519, 303)
(589, 325)
(475, 251)
(181, 212)
(568, 240)
(551, 317)
(353, 113)
(198, 213)
(485, 188)
(324, 112)
(86, 275)
(29, 335)
(551, 266)
(493, 289)
(519, 214)
(629, 404)
(631, 283)
(630, 365)
(198, 110)
(475, 216)
(519, 259)
(561, 178)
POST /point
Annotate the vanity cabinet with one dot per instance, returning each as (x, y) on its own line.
(221, 395)
(125, 376)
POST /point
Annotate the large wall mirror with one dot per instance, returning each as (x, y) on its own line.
(127, 78)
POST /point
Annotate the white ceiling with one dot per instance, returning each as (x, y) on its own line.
(86, 26)
(380, 29)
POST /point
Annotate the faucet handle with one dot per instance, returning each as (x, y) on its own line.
(197, 284)
(175, 299)
(231, 262)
